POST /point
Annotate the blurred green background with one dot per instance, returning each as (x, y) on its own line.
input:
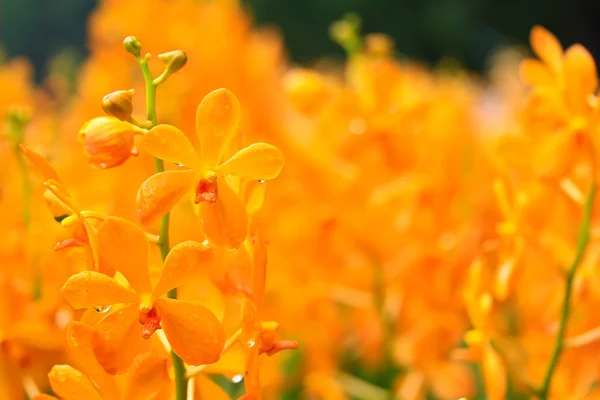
(467, 30)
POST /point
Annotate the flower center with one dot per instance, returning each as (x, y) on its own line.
(206, 191)
(150, 321)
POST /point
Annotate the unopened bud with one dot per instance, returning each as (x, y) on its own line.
(378, 44)
(119, 104)
(346, 32)
(133, 45)
(175, 60)
(108, 141)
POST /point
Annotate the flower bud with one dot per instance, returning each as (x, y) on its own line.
(346, 32)
(379, 44)
(175, 60)
(133, 45)
(108, 141)
(119, 104)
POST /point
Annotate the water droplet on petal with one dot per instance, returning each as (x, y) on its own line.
(261, 181)
(102, 166)
(102, 309)
(237, 378)
(250, 343)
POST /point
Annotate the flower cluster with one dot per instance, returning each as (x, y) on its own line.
(432, 235)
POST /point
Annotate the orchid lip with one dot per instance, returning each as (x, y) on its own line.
(206, 191)
(150, 320)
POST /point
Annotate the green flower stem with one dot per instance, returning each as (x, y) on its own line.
(163, 237)
(582, 242)
(26, 216)
(16, 127)
(389, 369)
(361, 389)
(150, 91)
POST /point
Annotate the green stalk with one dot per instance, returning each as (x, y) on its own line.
(16, 126)
(582, 242)
(26, 216)
(163, 236)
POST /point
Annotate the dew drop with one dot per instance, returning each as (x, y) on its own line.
(237, 378)
(261, 181)
(250, 343)
(102, 166)
(102, 309)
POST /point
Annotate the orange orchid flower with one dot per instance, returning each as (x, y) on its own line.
(66, 211)
(193, 331)
(223, 215)
(147, 378)
(258, 336)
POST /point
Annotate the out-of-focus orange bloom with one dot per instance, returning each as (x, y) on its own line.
(16, 79)
(325, 386)
(561, 110)
(479, 304)
(511, 231)
(193, 331)
(222, 213)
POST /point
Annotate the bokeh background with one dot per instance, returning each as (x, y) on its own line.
(430, 30)
(52, 34)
